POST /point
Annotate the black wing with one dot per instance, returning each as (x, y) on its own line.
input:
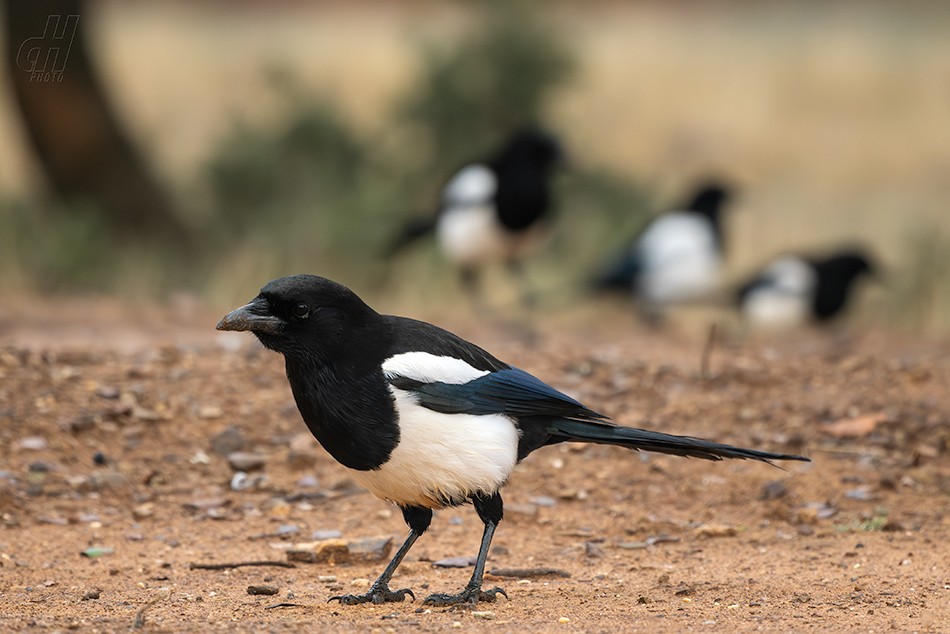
(511, 391)
(410, 335)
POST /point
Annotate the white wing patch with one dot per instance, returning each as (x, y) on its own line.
(472, 185)
(443, 458)
(430, 368)
(792, 275)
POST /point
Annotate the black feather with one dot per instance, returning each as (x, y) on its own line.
(641, 439)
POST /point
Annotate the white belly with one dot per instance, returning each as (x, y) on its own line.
(680, 259)
(443, 458)
(471, 235)
(770, 309)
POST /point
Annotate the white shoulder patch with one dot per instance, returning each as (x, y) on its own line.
(429, 368)
(793, 275)
(472, 185)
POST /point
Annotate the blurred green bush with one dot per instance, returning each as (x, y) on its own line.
(314, 196)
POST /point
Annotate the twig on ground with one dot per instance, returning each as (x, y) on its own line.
(280, 564)
(526, 573)
(139, 619)
(707, 353)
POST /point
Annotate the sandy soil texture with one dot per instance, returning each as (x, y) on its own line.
(123, 450)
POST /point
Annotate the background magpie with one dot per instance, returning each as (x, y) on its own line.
(421, 417)
(490, 211)
(678, 255)
(793, 290)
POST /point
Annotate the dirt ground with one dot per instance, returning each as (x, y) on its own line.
(111, 424)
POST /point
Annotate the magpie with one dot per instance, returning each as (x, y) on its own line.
(678, 255)
(421, 417)
(793, 290)
(491, 211)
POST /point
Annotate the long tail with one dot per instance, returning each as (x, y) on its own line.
(619, 274)
(641, 439)
(411, 231)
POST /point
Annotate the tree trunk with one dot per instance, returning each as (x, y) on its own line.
(81, 146)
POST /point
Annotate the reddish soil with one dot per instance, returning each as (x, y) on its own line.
(855, 541)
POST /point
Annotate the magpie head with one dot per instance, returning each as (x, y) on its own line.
(305, 317)
(531, 147)
(709, 199)
(845, 267)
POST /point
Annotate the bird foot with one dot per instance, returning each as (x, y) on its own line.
(378, 594)
(468, 595)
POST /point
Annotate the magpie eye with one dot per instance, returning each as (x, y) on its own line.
(301, 311)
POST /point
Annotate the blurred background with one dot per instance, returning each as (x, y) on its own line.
(209, 147)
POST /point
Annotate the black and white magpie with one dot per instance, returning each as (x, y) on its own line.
(421, 417)
(678, 255)
(794, 290)
(491, 211)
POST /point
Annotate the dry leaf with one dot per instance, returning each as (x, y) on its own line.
(854, 427)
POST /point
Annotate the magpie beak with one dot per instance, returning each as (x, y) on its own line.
(253, 317)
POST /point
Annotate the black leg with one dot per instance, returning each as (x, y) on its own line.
(489, 508)
(528, 297)
(418, 520)
(469, 277)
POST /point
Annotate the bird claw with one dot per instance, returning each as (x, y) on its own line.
(376, 595)
(468, 595)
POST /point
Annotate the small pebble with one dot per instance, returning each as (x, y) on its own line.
(327, 578)
(239, 481)
(33, 443)
(209, 411)
(774, 490)
(320, 535)
(107, 391)
(860, 493)
(200, 457)
(593, 550)
(455, 562)
(483, 615)
(227, 442)
(265, 590)
(564, 619)
(456, 624)
(92, 594)
(308, 482)
(246, 461)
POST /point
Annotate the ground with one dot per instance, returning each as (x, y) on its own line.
(854, 541)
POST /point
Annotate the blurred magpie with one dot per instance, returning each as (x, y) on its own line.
(677, 257)
(490, 211)
(421, 417)
(793, 290)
